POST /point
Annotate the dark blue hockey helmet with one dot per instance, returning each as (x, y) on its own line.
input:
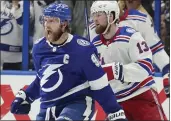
(61, 11)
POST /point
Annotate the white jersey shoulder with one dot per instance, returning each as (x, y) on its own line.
(135, 15)
(124, 33)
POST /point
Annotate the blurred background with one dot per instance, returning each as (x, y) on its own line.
(21, 27)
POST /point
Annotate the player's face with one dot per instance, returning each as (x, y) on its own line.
(100, 20)
(53, 29)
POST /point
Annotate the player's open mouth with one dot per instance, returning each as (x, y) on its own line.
(49, 32)
(97, 25)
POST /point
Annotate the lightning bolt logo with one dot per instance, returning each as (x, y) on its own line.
(6, 26)
(47, 73)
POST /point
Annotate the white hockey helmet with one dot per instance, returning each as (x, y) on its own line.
(107, 7)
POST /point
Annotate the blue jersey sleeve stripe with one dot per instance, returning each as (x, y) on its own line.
(136, 19)
(97, 38)
(166, 69)
(134, 12)
(147, 84)
(97, 42)
(158, 43)
(20, 20)
(92, 26)
(145, 67)
(134, 87)
(137, 16)
(148, 63)
(97, 45)
(158, 50)
(149, 60)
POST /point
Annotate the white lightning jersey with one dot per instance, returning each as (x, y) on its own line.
(129, 48)
(11, 24)
(11, 32)
(142, 23)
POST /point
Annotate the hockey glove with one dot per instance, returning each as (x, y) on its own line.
(21, 103)
(166, 79)
(114, 71)
(166, 84)
(117, 116)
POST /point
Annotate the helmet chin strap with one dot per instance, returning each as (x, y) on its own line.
(108, 25)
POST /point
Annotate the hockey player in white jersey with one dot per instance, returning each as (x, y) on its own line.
(142, 23)
(127, 59)
(11, 34)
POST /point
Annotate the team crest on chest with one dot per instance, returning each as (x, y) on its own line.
(47, 73)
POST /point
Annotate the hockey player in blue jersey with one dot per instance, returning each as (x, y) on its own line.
(69, 75)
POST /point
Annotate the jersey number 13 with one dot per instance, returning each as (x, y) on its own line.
(142, 47)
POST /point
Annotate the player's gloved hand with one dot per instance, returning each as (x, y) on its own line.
(166, 83)
(21, 104)
(117, 116)
(114, 71)
(166, 79)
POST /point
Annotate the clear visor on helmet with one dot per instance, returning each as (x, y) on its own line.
(44, 19)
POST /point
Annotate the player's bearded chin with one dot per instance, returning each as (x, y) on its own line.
(100, 29)
(53, 36)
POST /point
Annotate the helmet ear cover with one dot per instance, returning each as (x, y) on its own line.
(116, 20)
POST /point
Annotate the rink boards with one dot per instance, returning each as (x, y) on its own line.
(12, 81)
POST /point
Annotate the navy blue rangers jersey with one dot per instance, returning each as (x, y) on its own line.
(69, 72)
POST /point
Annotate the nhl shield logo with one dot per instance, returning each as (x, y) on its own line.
(83, 42)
